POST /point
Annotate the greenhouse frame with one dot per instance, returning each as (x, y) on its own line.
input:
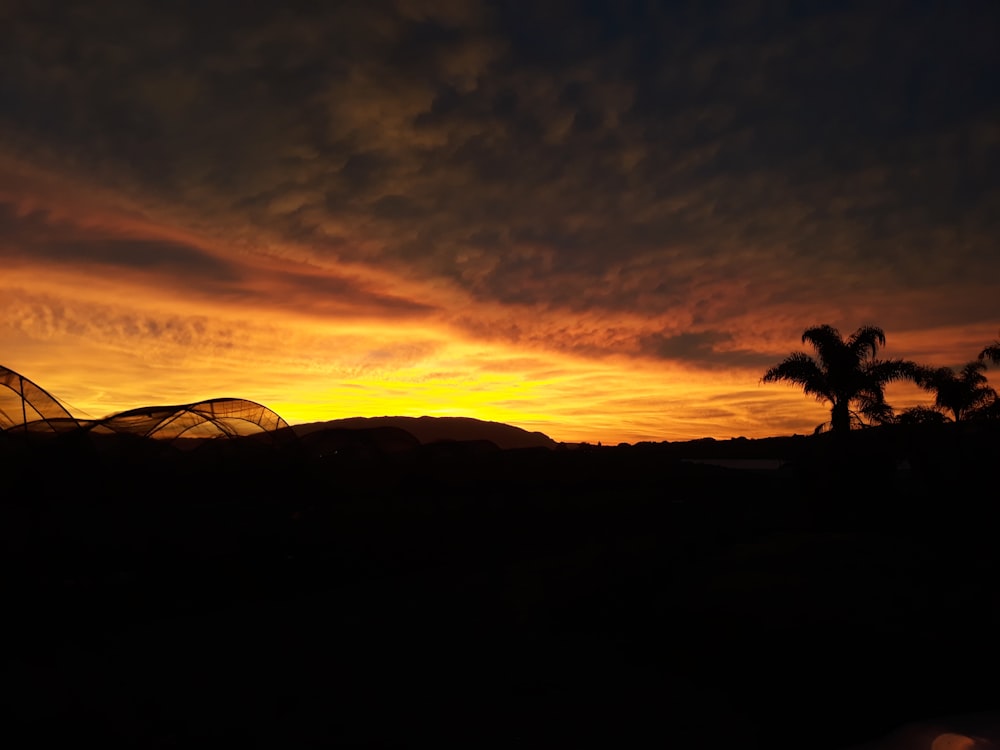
(26, 407)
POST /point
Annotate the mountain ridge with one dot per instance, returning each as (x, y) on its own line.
(428, 429)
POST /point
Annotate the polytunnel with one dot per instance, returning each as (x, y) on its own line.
(214, 418)
(27, 406)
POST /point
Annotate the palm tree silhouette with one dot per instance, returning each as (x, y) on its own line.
(963, 394)
(991, 352)
(845, 374)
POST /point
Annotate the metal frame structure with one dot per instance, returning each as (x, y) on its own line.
(28, 407)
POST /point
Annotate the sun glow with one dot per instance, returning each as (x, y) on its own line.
(157, 312)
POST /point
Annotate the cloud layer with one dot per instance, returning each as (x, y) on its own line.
(676, 189)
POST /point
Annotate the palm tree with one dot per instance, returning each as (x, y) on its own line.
(991, 352)
(963, 394)
(845, 374)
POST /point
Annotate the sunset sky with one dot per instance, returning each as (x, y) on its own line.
(602, 220)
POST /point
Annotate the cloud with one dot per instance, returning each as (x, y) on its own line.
(682, 184)
(36, 237)
(584, 140)
(709, 349)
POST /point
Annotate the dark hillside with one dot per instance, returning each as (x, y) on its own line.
(434, 429)
(297, 597)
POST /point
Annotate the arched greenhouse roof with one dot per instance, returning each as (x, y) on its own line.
(28, 408)
(25, 405)
(215, 418)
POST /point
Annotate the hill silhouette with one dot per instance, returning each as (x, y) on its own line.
(436, 429)
(294, 593)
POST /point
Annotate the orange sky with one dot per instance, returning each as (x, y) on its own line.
(104, 340)
(358, 219)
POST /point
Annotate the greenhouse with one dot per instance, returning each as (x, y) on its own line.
(27, 408)
(215, 418)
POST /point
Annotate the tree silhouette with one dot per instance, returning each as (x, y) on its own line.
(921, 415)
(845, 373)
(963, 394)
(991, 352)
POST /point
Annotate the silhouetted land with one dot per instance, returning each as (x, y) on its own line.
(434, 429)
(372, 591)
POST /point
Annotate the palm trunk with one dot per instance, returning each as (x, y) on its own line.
(840, 417)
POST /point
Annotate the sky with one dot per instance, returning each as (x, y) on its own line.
(601, 220)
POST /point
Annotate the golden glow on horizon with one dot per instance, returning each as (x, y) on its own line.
(322, 340)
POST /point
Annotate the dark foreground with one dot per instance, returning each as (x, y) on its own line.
(461, 595)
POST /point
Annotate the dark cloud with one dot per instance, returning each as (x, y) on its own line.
(318, 292)
(157, 256)
(37, 238)
(710, 158)
(703, 350)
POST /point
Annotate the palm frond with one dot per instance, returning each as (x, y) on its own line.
(800, 369)
(827, 342)
(885, 371)
(876, 411)
(991, 352)
(972, 372)
(928, 377)
(865, 341)
(979, 395)
(988, 410)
